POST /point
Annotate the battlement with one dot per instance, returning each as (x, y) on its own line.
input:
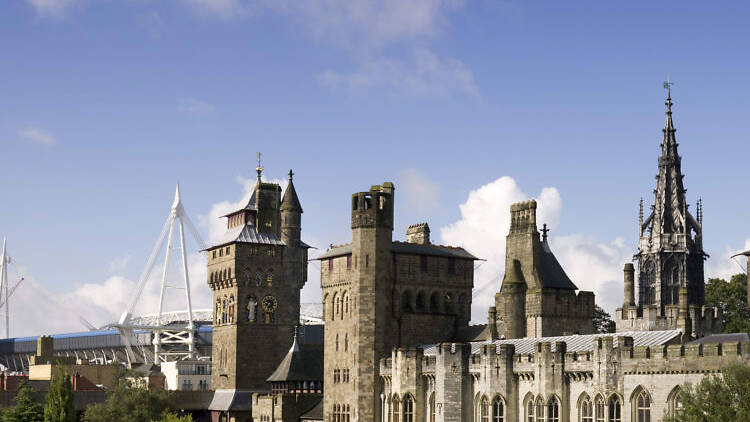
(418, 233)
(523, 217)
(374, 208)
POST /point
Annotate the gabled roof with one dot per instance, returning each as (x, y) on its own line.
(551, 273)
(407, 248)
(303, 362)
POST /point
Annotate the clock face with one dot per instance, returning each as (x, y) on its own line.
(269, 303)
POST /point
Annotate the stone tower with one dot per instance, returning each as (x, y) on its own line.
(670, 286)
(256, 271)
(536, 298)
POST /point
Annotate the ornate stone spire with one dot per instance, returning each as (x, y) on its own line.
(670, 207)
(290, 202)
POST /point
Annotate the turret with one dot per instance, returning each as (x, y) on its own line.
(291, 215)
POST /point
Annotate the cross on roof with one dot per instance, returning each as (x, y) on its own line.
(545, 230)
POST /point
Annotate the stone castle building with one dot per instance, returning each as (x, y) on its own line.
(398, 346)
(256, 271)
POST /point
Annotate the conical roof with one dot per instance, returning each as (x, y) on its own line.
(290, 201)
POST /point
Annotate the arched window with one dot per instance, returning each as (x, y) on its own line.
(347, 413)
(553, 410)
(390, 409)
(406, 301)
(587, 410)
(647, 284)
(539, 410)
(675, 402)
(432, 407)
(642, 407)
(346, 304)
(336, 305)
(484, 410)
(224, 310)
(498, 410)
(408, 409)
(615, 409)
(600, 409)
(346, 342)
(326, 311)
(396, 411)
(671, 282)
(217, 312)
(337, 342)
(530, 411)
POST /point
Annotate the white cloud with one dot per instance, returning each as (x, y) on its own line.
(196, 107)
(51, 8)
(119, 264)
(423, 75)
(37, 135)
(484, 225)
(419, 192)
(222, 9)
(368, 23)
(721, 265)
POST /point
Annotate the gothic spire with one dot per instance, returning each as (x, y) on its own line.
(670, 207)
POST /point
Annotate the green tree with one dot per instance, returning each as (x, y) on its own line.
(128, 404)
(717, 398)
(26, 408)
(173, 417)
(59, 406)
(603, 322)
(731, 298)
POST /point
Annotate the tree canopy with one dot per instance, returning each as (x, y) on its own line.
(731, 298)
(717, 398)
(603, 322)
(26, 408)
(60, 406)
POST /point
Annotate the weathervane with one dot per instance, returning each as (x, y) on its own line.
(259, 169)
(545, 230)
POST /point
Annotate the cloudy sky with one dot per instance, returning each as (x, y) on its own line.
(467, 106)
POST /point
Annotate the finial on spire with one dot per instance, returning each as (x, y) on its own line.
(291, 174)
(259, 169)
(668, 87)
(545, 230)
(699, 211)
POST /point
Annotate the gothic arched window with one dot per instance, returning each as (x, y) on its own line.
(553, 410)
(675, 402)
(432, 407)
(647, 284)
(600, 409)
(484, 410)
(408, 409)
(615, 409)
(435, 303)
(530, 411)
(643, 407)
(498, 410)
(671, 277)
(587, 410)
(539, 410)
(231, 309)
(396, 411)
(420, 302)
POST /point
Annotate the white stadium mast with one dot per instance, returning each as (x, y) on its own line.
(179, 336)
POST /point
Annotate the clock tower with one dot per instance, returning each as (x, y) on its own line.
(256, 271)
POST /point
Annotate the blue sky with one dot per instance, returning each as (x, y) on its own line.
(105, 105)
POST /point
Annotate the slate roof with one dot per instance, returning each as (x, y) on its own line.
(248, 234)
(236, 400)
(575, 343)
(407, 248)
(290, 201)
(314, 414)
(303, 362)
(723, 338)
(551, 272)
